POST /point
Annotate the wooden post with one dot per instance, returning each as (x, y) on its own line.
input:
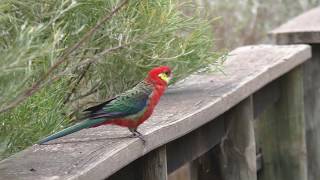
(208, 166)
(154, 165)
(193, 169)
(312, 112)
(238, 153)
(282, 132)
(306, 29)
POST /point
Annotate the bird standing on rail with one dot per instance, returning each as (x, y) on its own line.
(129, 109)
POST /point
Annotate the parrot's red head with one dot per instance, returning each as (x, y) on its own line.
(159, 75)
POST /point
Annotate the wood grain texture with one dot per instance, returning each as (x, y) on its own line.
(97, 153)
(311, 70)
(207, 167)
(265, 97)
(305, 28)
(282, 132)
(194, 144)
(154, 165)
(238, 157)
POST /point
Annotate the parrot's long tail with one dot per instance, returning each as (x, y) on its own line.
(77, 127)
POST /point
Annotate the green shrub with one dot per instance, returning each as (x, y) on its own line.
(35, 34)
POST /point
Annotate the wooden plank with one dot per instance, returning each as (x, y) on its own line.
(131, 172)
(206, 167)
(197, 142)
(193, 169)
(282, 132)
(303, 29)
(306, 29)
(265, 98)
(97, 153)
(154, 165)
(238, 145)
(312, 111)
(183, 173)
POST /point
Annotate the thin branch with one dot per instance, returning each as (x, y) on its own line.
(36, 86)
(92, 59)
(91, 91)
(76, 84)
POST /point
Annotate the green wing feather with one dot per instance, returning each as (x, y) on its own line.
(127, 104)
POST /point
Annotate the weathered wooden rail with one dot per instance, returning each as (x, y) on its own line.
(255, 113)
(306, 29)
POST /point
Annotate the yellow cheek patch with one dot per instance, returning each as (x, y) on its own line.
(164, 77)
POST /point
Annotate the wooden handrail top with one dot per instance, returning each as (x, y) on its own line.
(97, 153)
(304, 28)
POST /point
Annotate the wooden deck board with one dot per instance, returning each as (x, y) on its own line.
(304, 28)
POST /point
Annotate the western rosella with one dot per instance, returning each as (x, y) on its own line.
(129, 109)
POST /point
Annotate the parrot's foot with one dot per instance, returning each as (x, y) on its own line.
(140, 136)
(137, 134)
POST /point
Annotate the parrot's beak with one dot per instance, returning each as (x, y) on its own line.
(165, 77)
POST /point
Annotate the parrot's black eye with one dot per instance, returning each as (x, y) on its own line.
(167, 73)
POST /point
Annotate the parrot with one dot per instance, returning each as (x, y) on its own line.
(129, 109)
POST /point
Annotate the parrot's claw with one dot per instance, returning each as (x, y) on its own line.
(140, 136)
(137, 134)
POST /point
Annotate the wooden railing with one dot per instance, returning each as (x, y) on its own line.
(306, 29)
(250, 118)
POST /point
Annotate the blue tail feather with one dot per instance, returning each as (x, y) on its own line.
(77, 127)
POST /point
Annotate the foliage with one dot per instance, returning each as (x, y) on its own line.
(38, 116)
(35, 34)
(243, 22)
